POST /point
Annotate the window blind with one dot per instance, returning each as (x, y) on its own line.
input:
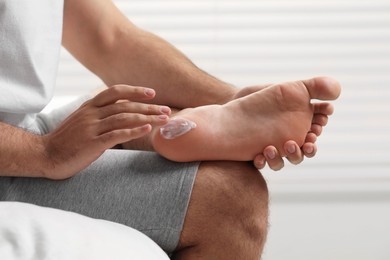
(249, 42)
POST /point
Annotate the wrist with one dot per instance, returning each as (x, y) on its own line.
(44, 158)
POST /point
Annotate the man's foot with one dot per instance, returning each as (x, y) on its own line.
(294, 153)
(242, 128)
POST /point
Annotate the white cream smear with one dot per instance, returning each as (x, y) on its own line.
(176, 127)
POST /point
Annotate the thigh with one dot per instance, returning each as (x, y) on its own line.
(139, 189)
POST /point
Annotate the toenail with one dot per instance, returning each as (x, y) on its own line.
(271, 154)
(291, 149)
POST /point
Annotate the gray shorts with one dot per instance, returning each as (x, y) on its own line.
(138, 189)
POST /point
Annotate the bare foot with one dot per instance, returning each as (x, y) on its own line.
(294, 153)
(242, 128)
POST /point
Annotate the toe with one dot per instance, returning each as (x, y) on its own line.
(316, 129)
(323, 88)
(323, 108)
(311, 138)
(320, 119)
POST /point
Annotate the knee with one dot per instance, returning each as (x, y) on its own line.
(237, 197)
(246, 202)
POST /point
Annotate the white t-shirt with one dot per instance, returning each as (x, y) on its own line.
(30, 41)
(33, 232)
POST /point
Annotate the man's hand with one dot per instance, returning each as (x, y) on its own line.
(275, 161)
(118, 51)
(113, 116)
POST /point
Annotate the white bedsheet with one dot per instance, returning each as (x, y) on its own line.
(29, 232)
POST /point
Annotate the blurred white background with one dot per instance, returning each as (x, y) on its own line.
(335, 206)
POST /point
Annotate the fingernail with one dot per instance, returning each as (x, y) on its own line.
(176, 127)
(163, 117)
(309, 149)
(271, 154)
(165, 110)
(149, 92)
(260, 162)
(291, 148)
(146, 127)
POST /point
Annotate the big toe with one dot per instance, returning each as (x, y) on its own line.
(323, 88)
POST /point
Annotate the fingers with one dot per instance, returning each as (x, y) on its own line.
(274, 160)
(133, 107)
(272, 157)
(114, 115)
(259, 162)
(130, 120)
(293, 152)
(118, 92)
(309, 149)
(112, 138)
(296, 155)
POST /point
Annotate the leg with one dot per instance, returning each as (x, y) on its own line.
(227, 214)
(242, 128)
(138, 189)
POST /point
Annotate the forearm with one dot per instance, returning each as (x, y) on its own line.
(119, 52)
(153, 62)
(21, 153)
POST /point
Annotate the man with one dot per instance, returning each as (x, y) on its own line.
(207, 210)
